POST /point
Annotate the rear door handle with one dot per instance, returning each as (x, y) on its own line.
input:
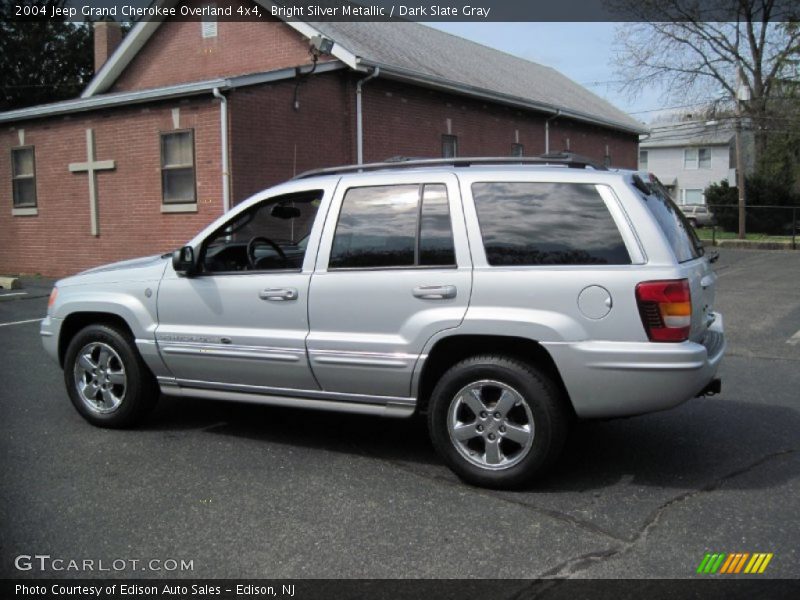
(435, 292)
(278, 294)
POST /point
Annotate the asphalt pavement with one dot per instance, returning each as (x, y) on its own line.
(250, 491)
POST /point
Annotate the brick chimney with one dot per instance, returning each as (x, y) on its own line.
(107, 36)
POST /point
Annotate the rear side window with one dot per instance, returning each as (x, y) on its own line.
(393, 226)
(547, 224)
(679, 233)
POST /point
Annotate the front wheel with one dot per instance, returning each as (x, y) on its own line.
(106, 378)
(496, 421)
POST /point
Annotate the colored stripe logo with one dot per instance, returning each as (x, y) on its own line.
(734, 564)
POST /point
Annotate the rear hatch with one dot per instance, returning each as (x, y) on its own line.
(688, 251)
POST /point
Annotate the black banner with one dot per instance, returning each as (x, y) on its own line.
(404, 10)
(418, 589)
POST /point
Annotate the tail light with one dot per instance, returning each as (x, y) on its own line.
(666, 309)
(52, 300)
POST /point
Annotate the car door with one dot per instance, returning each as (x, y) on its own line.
(240, 323)
(393, 270)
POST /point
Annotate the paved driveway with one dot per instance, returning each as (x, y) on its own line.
(252, 491)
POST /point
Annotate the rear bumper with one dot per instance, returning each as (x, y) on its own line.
(616, 379)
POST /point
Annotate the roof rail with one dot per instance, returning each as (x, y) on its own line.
(567, 159)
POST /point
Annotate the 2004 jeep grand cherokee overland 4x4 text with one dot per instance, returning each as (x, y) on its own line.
(503, 300)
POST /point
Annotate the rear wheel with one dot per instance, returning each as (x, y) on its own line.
(106, 378)
(496, 421)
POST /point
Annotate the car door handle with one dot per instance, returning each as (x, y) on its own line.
(278, 294)
(435, 292)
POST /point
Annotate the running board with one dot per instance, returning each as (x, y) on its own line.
(388, 409)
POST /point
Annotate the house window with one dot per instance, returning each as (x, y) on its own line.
(693, 197)
(177, 167)
(23, 177)
(697, 158)
(643, 160)
(449, 146)
(517, 150)
(209, 23)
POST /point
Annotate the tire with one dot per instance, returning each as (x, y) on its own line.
(490, 451)
(106, 378)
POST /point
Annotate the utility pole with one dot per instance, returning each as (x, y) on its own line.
(740, 183)
(742, 93)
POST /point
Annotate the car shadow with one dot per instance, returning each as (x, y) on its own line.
(695, 445)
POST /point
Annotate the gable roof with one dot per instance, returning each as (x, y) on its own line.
(416, 53)
(688, 133)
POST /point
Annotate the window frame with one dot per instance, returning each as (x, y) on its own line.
(417, 230)
(449, 137)
(162, 135)
(24, 208)
(643, 165)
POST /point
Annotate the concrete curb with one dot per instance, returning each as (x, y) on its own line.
(10, 283)
(755, 245)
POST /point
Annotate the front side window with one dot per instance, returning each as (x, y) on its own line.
(393, 226)
(547, 224)
(270, 236)
(23, 177)
(177, 167)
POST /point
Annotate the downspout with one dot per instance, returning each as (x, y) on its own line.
(547, 130)
(359, 123)
(223, 125)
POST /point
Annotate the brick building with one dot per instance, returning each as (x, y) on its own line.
(184, 119)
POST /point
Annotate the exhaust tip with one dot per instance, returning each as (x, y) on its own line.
(713, 388)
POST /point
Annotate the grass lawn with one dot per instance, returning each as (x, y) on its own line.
(704, 233)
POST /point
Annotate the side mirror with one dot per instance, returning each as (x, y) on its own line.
(183, 261)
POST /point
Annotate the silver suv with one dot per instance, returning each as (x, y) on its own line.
(502, 300)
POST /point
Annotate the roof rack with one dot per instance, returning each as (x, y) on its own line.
(568, 159)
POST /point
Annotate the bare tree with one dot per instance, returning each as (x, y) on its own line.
(745, 50)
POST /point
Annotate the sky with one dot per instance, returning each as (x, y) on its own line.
(582, 51)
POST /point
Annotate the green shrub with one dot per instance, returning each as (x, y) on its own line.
(761, 192)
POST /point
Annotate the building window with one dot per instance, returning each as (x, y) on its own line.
(449, 146)
(643, 160)
(208, 26)
(697, 158)
(177, 167)
(517, 150)
(693, 197)
(23, 177)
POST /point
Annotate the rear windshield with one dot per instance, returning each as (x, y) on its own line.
(677, 229)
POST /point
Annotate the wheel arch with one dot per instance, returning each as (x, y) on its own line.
(76, 321)
(451, 350)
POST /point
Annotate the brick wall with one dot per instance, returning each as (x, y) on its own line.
(178, 53)
(58, 240)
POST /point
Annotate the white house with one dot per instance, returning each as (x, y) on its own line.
(688, 156)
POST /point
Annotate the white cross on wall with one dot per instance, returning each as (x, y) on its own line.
(91, 166)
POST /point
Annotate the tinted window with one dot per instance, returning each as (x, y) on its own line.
(547, 224)
(377, 227)
(387, 226)
(673, 223)
(435, 232)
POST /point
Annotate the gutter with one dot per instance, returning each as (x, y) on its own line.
(359, 116)
(547, 131)
(223, 127)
